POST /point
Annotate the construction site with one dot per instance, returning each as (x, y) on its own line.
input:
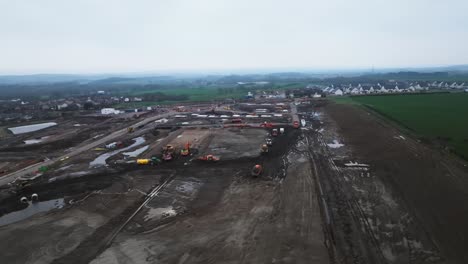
(264, 181)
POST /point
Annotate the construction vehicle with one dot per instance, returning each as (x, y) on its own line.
(266, 125)
(269, 141)
(296, 124)
(274, 132)
(168, 153)
(264, 149)
(153, 161)
(143, 161)
(130, 129)
(186, 150)
(208, 157)
(257, 170)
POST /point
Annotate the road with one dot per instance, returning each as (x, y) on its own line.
(294, 115)
(31, 169)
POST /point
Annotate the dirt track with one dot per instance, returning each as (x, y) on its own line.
(428, 190)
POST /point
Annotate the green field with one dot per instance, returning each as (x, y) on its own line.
(198, 94)
(441, 117)
(204, 94)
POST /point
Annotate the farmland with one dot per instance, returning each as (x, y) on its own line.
(438, 117)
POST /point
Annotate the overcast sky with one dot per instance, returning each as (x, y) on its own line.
(96, 36)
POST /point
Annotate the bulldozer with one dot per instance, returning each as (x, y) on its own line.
(168, 153)
(208, 157)
(257, 170)
(186, 150)
(264, 149)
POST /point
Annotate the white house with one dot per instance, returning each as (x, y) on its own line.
(338, 92)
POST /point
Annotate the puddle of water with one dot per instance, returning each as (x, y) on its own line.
(159, 213)
(335, 144)
(135, 153)
(32, 209)
(35, 141)
(30, 128)
(101, 160)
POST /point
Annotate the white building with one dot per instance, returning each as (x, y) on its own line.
(338, 92)
(109, 111)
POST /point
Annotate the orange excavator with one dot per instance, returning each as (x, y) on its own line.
(257, 170)
(208, 157)
(186, 150)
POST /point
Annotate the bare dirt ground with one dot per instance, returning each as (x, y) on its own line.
(201, 212)
(232, 219)
(409, 206)
(346, 188)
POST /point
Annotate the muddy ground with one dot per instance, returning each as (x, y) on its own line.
(346, 188)
(387, 197)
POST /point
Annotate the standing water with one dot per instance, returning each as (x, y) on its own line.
(101, 160)
(32, 209)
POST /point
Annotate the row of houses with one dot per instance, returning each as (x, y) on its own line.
(384, 89)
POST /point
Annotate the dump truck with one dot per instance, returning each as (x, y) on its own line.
(257, 170)
(168, 153)
(274, 132)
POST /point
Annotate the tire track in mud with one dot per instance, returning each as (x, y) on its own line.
(344, 217)
(96, 243)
